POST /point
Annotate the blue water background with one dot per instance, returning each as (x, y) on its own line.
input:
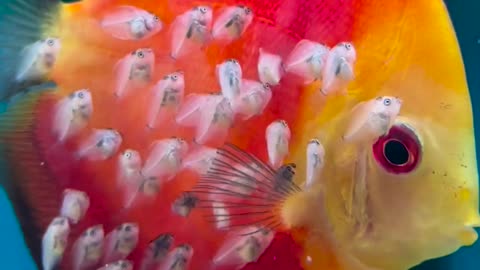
(465, 16)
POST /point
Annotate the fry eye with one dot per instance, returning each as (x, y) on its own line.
(399, 151)
(50, 42)
(140, 54)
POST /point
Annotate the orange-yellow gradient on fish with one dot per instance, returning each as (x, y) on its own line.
(249, 134)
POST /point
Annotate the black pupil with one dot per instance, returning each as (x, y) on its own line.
(396, 153)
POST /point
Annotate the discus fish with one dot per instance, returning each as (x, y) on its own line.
(307, 60)
(73, 114)
(392, 191)
(189, 29)
(131, 23)
(118, 265)
(338, 70)
(87, 250)
(270, 67)
(168, 96)
(102, 144)
(229, 75)
(134, 70)
(75, 205)
(54, 242)
(232, 23)
(120, 242)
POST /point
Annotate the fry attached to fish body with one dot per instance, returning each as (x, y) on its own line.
(129, 167)
(165, 158)
(338, 70)
(315, 161)
(252, 100)
(191, 29)
(307, 60)
(131, 23)
(243, 246)
(277, 136)
(75, 205)
(168, 96)
(178, 259)
(210, 114)
(102, 144)
(54, 243)
(270, 67)
(134, 70)
(157, 252)
(200, 159)
(372, 119)
(88, 249)
(38, 59)
(232, 23)
(118, 265)
(184, 204)
(72, 114)
(229, 74)
(120, 242)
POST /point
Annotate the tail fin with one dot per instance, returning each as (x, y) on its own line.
(22, 23)
(239, 190)
(25, 177)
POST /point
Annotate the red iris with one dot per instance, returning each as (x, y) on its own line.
(399, 151)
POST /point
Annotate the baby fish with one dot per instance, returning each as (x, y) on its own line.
(168, 96)
(278, 136)
(178, 259)
(101, 145)
(72, 114)
(87, 250)
(232, 23)
(315, 161)
(369, 120)
(184, 204)
(134, 70)
(242, 247)
(75, 205)
(165, 158)
(131, 23)
(129, 166)
(270, 67)
(307, 60)
(157, 252)
(189, 29)
(120, 242)
(118, 265)
(211, 115)
(200, 159)
(372, 119)
(338, 70)
(54, 242)
(253, 99)
(229, 74)
(38, 59)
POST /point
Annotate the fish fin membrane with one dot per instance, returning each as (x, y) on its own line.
(22, 22)
(33, 192)
(240, 190)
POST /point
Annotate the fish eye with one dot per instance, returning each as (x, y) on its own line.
(81, 95)
(92, 232)
(155, 18)
(387, 102)
(50, 42)
(315, 141)
(128, 154)
(284, 123)
(247, 10)
(140, 54)
(174, 77)
(128, 228)
(399, 151)
(203, 10)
